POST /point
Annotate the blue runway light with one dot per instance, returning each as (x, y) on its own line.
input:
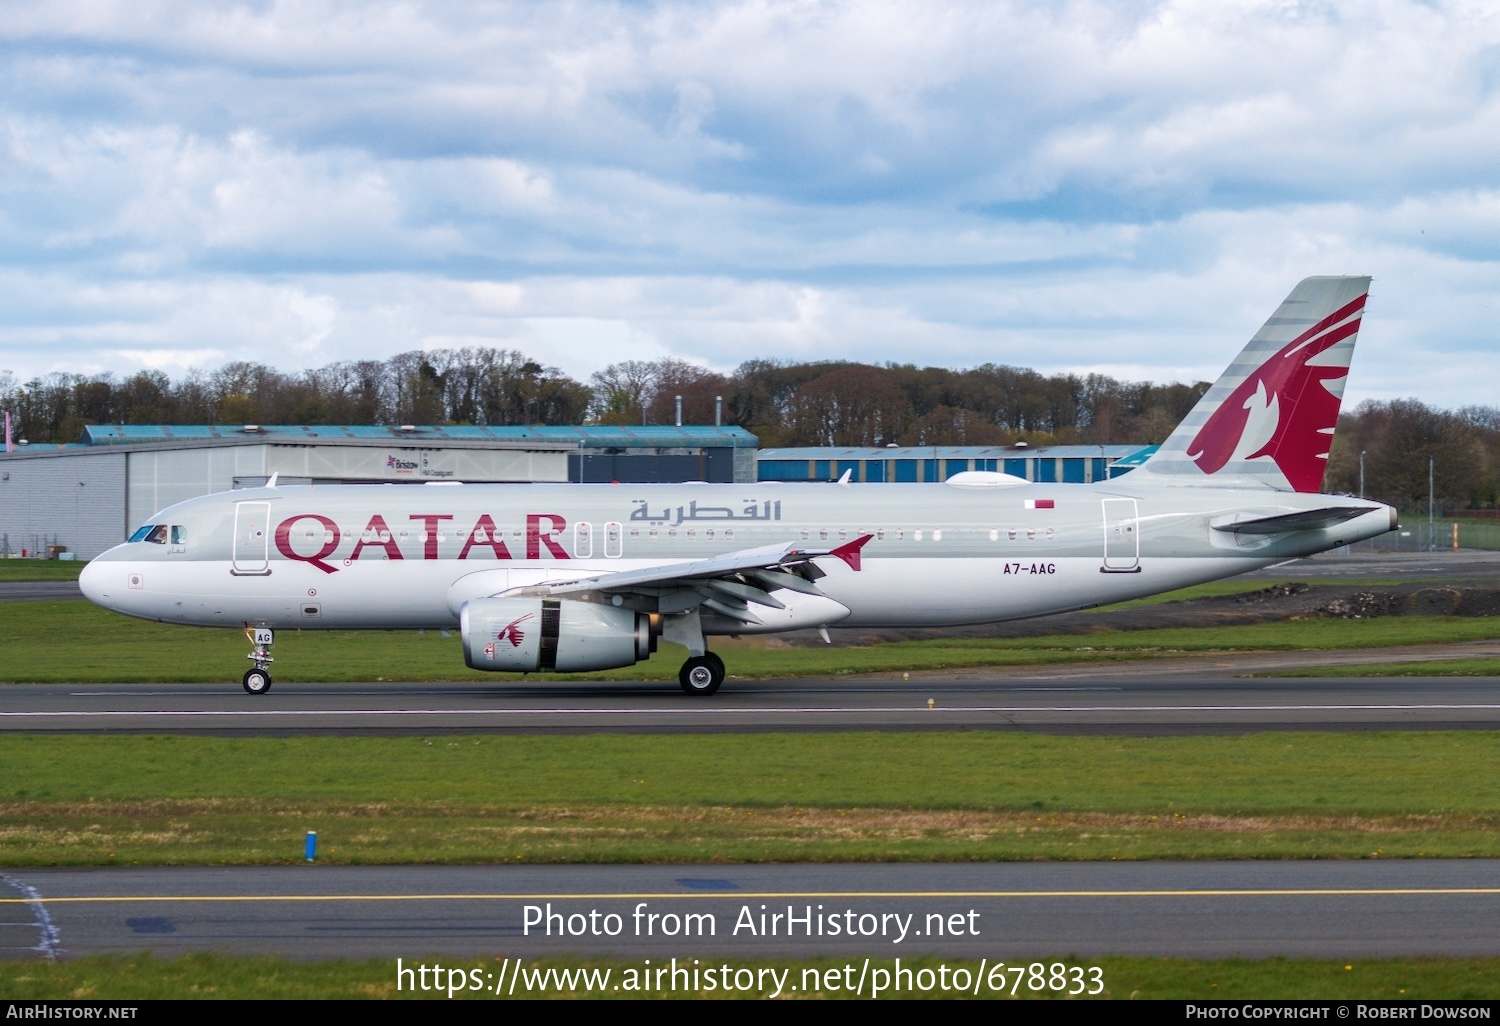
(312, 845)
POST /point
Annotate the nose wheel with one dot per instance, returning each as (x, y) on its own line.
(701, 675)
(257, 680)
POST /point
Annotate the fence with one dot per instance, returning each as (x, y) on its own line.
(33, 546)
(1414, 535)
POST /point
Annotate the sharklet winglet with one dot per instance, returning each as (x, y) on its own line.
(849, 551)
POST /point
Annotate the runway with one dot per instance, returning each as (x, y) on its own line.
(1141, 698)
(38, 591)
(1010, 911)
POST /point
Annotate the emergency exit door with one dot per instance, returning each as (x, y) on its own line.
(1122, 537)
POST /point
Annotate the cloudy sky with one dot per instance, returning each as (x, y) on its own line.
(1124, 188)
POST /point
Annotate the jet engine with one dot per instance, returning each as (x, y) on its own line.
(527, 634)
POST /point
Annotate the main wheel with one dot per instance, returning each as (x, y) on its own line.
(701, 675)
(257, 682)
(718, 664)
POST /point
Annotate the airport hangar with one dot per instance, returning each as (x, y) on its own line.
(1075, 464)
(86, 497)
(82, 498)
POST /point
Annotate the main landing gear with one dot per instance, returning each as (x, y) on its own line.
(701, 675)
(257, 680)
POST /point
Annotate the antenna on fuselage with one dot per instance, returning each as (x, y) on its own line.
(272, 482)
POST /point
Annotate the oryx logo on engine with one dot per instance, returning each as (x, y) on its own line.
(512, 632)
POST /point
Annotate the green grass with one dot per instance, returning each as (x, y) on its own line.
(41, 569)
(1241, 586)
(766, 797)
(143, 977)
(101, 646)
(263, 832)
(1398, 773)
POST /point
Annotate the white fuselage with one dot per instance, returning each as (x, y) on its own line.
(373, 556)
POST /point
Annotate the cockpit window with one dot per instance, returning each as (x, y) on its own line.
(157, 534)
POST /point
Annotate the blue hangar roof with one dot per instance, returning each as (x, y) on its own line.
(608, 437)
(1117, 453)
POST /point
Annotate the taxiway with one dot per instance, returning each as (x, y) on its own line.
(1008, 911)
(1159, 696)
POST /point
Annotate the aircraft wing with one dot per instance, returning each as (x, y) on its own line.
(725, 584)
(1308, 520)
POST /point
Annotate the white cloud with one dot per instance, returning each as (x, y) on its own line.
(1073, 186)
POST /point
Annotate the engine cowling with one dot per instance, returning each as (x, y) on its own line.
(522, 635)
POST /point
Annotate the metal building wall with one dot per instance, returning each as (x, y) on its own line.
(161, 477)
(78, 497)
(380, 463)
(745, 471)
(714, 465)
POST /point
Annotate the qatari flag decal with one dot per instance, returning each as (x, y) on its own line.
(1040, 504)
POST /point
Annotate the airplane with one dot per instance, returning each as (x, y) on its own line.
(577, 577)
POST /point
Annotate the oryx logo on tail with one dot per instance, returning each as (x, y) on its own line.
(512, 632)
(1287, 408)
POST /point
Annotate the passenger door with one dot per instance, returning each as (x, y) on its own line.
(252, 539)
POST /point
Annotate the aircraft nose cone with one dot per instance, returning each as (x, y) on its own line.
(91, 583)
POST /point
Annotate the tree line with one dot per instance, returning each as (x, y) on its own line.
(834, 403)
(785, 403)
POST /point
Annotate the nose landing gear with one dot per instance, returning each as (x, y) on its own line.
(257, 680)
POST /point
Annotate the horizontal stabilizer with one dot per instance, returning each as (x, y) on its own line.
(1308, 520)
